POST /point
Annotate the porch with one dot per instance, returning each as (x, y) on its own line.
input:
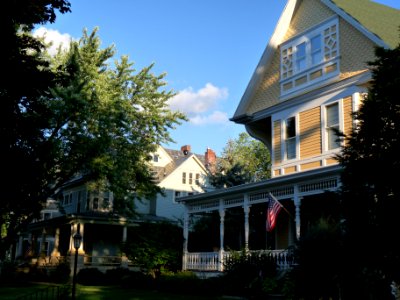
(303, 195)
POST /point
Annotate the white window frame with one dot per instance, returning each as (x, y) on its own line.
(325, 128)
(285, 139)
(292, 78)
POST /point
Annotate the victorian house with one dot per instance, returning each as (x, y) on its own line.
(310, 79)
(49, 239)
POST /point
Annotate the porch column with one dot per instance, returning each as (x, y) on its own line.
(246, 209)
(297, 204)
(221, 235)
(185, 238)
(43, 253)
(124, 258)
(19, 253)
(55, 251)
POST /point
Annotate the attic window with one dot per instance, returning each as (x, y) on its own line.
(310, 58)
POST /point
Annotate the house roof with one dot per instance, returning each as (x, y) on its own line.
(382, 20)
(178, 158)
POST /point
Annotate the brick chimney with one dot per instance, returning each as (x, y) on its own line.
(210, 160)
(185, 149)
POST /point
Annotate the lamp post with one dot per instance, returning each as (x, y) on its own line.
(77, 243)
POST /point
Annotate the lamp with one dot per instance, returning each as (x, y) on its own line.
(77, 240)
(77, 243)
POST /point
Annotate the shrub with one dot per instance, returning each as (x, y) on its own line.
(61, 273)
(250, 275)
(137, 280)
(91, 276)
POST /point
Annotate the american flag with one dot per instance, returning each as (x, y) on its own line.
(274, 207)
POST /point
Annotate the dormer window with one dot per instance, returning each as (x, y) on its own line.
(310, 58)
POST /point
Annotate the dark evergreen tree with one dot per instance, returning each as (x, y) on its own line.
(371, 188)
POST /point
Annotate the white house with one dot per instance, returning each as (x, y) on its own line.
(179, 173)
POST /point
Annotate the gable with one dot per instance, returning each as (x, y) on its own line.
(190, 166)
(355, 50)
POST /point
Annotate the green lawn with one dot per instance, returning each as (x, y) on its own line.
(105, 293)
(14, 291)
(101, 293)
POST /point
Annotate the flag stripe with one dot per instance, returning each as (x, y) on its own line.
(274, 207)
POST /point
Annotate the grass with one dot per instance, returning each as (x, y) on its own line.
(14, 291)
(106, 292)
(101, 293)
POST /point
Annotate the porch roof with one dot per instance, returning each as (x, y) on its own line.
(300, 184)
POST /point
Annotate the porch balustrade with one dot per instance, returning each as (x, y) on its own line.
(211, 261)
(102, 260)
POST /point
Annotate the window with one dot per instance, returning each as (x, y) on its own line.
(332, 125)
(301, 62)
(184, 177)
(310, 57)
(316, 50)
(155, 158)
(197, 179)
(290, 138)
(190, 178)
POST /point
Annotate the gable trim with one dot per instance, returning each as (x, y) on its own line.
(275, 41)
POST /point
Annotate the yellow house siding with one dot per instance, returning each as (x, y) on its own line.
(311, 165)
(290, 170)
(347, 115)
(331, 161)
(310, 133)
(268, 91)
(277, 142)
(355, 49)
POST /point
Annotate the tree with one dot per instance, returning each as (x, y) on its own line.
(371, 191)
(243, 160)
(79, 115)
(155, 247)
(25, 78)
(106, 121)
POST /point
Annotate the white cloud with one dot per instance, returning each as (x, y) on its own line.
(200, 106)
(216, 117)
(195, 102)
(55, 37)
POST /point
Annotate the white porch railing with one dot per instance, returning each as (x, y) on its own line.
(102, 260)
(202, 261)
(214, 261)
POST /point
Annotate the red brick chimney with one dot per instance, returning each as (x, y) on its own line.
(185, 149)
(210, 160)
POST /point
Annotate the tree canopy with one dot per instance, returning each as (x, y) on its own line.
(243, 160)
(77, 113)
(371, 190)
(26, 76)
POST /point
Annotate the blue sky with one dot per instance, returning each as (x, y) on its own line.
(207, 48)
